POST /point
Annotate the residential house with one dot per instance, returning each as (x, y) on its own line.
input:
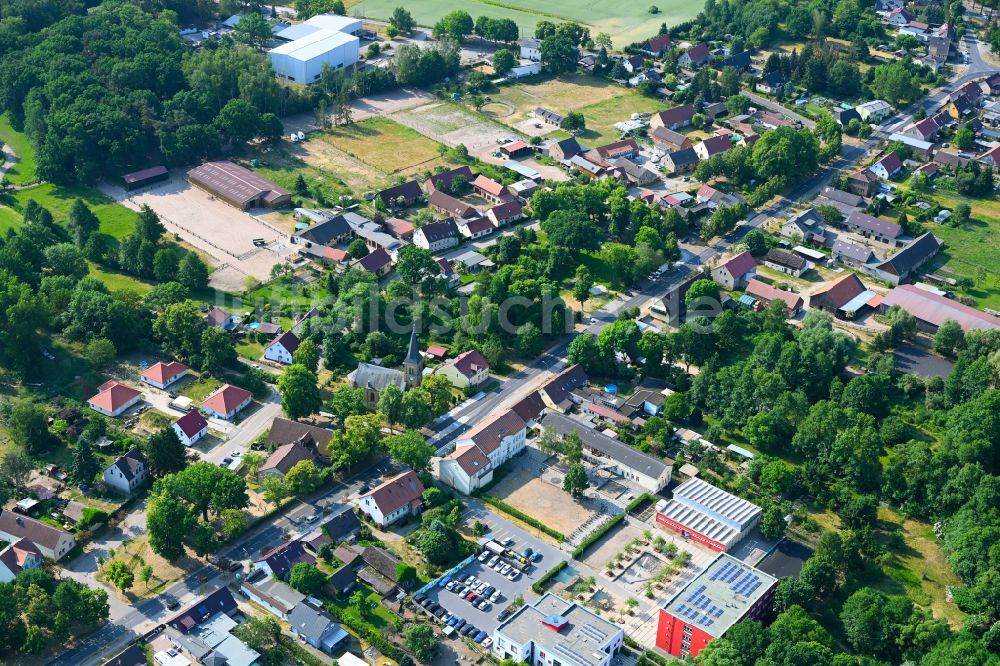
(715, 110)
(845, 202)
(559, 392)
(506, 213)
(285, 431)
(873, 227)
(908, 260)
(339, 527)
(218, 318)
(278, 562)
(548, 117)
(113, 398)
(393, 500)
(874, 111)
(333, 230)
(695, 56)
(851, 254)
(921, 149)
(399, 196)
(490, 190)
(565, 149)
(287, 456)
(951, 159)
(52, 542)
(605, 155)
(436, 236)
(191, 427)
(899, 17)
(634, 173)
(282, 349)
(887, 167)
(713, 145)
(938, 49)
(373, 379)
(916, 28)
(735, 271)
(926, 129)
(769, 293)
(960, 106)
(202, 609)
(785, 262)
(378, 263)
(531, 49)
(657, 46)
(316, 627)
(226, 402)
(862, 182)
(163, 374)
(476, 228)
(479, 451)
(443, 181)
(680, 161)
(771, 82)
(274, 595)
(127, 473)
(991, 157)
(833, 296)
(741, 62)
(669, 140)
(467, 369)
(465, 469)
(807, 225)
(844, 116)
(22, 555)
(633, 63)
(675, 118)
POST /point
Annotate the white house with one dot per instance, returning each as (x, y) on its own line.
(874, 111)
(491, 443)
(113, 398)
(275, 596)
(52, 542)
(467, 369)
(436, 236)
(397, 498)
(19, 556)
(163, 374)
(127, 473)
(191, 427)
(282, 348)
(226, 401)
(531, 49)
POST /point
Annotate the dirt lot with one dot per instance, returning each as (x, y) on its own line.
(214, 227)
(541, 500)
(376, 105)
(451, 125)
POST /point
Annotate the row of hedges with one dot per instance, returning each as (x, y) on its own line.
(601, 531)
(539, 585)
(368, 632)
(637, 502)
(523, 517)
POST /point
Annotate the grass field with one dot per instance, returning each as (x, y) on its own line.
(602, 116)
(385, 145)
(9, 219)
(23, 171)
(116, 220)
(562, 95)
(626, 23)
(970, 250)
(116, 281)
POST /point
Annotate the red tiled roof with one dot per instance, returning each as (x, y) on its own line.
(469, 458)
(488, 185)
(658, 43)
(936, 309)
(488, 433)
(164, 373)
(741, 264)
(398, 227)
(840, 291)
(706, 192)
(506, 211)
(191, 423)
(769, 293)
(698, 53)
(113, 395)
(469, 363)
(226, 398)
(397, 492)
(335, 254)
(891, 163)
(437, 351)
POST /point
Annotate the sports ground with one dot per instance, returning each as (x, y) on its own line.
(626, 23)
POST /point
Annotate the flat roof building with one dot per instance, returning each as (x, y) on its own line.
(556, 631)
(238, 186)
(708, 515)
(302, 60)
(725, 593)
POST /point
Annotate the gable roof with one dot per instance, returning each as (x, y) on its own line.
(226, 398)
(911, 257)
(842, 197)
(164, 373)
(607, 446)
(715, 145)
(891, 163)
(658, 43)
(381, 560)
(15, 556)
(667, 135)
(507, 210)
(617, 149)
(310, 622)
(288, 455)
(445, 177)
(559, 387)
(550, 116)
(529, 407)
(469, 363)
(284, 557)
(470, 458)
(288, 340)
(785, 258)
(130, 656)
(129, 464)
(375, 261)
(678, 114)
(219, 601)
(698, 53)
(397, 492)
(191, 423)
(774, 78)
(739, 264)
(568, 146)
(375, 377)
(326, 232)
(877, 225)
(489, 186)
(286, 431)
(491, 431)
(935, 309)
(840, 291)
(853, 251)
(771, 293)
(739, 61)
(113, 395)
(683, 157)
(36, 531)
(341, 524)
(409, 190)
(436, 231)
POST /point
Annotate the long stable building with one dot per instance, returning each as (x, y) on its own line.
(238, 186)
(725, 593)
(709, 515)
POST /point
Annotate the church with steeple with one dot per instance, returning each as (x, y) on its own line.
(413, 364)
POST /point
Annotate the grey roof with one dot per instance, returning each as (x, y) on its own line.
(324, 232)
(612, 448)
(310, 622)
(874, 224)
(912, 256)
(852, 251)
(725, 507)
(130, 464)
(376, 377)
(843, 197)
(683, 157)
(413, 355)
(785, 258)
(808, 220)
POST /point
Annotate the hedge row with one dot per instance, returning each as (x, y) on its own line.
(539, 585)
(601, 531)
(637, 502)
(368, 632)
(523, 517)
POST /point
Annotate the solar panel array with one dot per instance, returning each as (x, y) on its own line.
(727, 573)
(695, 615)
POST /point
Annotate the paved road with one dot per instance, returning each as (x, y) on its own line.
(778, 108)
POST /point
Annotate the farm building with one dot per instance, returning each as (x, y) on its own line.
(931, 310)
(137, 179)
(238, 186)
(323, 40)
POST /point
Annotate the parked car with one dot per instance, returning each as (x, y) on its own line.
(460, 624)
(469, 579)
(483, 556)
(495, 597)
(486, 642)
(536, 557)
(479, 636)
(450, 586)
(419, 597)
(469, 629)
(504, 614)
(484, 605)
(513, 575)
(441, 612)
(505, 569)
(171, 602)
(508, 542)
(499, 566)
(493, 561)
(471, 596)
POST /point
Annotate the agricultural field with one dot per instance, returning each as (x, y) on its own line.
(386, 145)
(631, 22)
(970, 251)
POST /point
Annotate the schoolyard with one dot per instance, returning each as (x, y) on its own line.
(541, 500)
(625, 23)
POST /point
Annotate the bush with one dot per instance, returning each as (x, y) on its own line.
(523, 517)
(539, 585)
(589, 541)
(91, 516)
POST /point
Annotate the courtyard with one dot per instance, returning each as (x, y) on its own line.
(542, 499)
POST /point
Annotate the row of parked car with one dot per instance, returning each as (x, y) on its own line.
(453, 623)
(499, 565)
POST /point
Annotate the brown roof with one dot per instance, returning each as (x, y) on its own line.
(507, 210)
(236, 183)
(16, 555)
(445, 177)
(286, 431)
(529, 407)
(470, 458)
(698, 53)
(451, 205)
(559, 387)
(398, 227)
(286, 457)
(838, 292)
(397, 492)
(740, 264)
(288, 340)
(489, 432)
(409, 190)
(670, 137)
(191, 423)
(226, 398)
(678, 114)
(375, 261)
(286, 556)
(165, 372)
(24, 527)
(113, 395)
(617, 149)
(380, 560)
(715, 145)
(768, 293)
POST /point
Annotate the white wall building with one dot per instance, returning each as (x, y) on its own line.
(126, 473)
(282, 348)
(392, 501)
(482, 449)
(302, 60)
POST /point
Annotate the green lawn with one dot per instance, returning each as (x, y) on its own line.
(602, 116)
(386, 145)
(626, 23)
(23, 172)
(116, 220)
(248, 348)
(970, 251)
(116, 281)
(9, 219)
(197, 390)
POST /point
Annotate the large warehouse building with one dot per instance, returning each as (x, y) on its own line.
(725, 593)
(931, 310)
(708, 515)
(326, 39)
(238, 186)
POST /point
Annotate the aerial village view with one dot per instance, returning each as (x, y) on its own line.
(363, 332)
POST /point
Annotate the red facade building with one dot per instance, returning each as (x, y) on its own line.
(725, 593)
